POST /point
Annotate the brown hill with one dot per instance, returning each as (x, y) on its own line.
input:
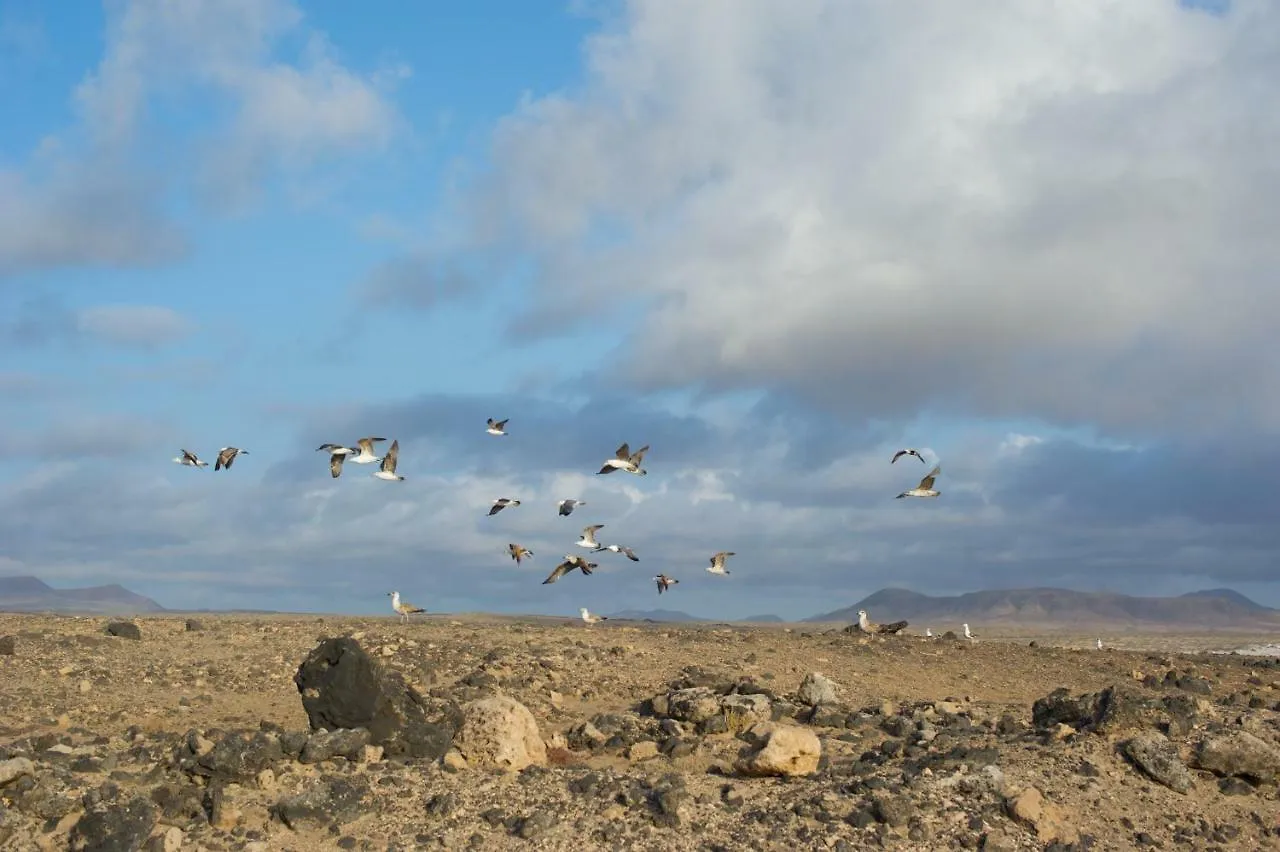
(29, 594)
(1213, 608)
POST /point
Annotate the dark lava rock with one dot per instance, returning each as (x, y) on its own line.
(194, 625)
(238, 757)
(326, 745)
(1113, 707)
(535, 824)
(179, 802)
(1232, 786)
(8, 646)
(343, 687)
(114, 828)
(124, 629)
(334, 800)
(1158, 758)
(1239, 753)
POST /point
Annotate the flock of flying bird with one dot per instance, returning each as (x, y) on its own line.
(622, 460)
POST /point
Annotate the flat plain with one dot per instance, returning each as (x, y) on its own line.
(651, 736)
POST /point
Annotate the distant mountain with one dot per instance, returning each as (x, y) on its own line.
(772, 619)
(1060, 607)
(655, 615)
(29, 594)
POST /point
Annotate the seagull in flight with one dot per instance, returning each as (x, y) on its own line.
(570, 563)
(190, 460)
(497, 427)
(618, 548)
(366, 454)
(502, 503)
(567, 506)
(925, 488)
(588, 538)
(907, 452)
(387, 470)
(626, 460)
(226, 456)
(717, 562)
(664, 582)
(517, 552)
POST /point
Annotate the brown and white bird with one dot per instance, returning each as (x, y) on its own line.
(518, 553)
(190, 460)
(925, 488)
(337, 448)
(570, 563)
(387, 470)
(335, 463)
(502, 503)
(618, 548)
(404, 609)
(626, 460)
(717, 562)
(226, 456)
(664, 582)
(496, 427)
(907, 452)
(588, 537)
(566, 507)
(366, 454)
(868, 626)
(590, 617)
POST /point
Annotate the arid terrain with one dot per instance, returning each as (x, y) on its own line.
(194, 735)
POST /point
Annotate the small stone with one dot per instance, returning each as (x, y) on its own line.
(816, 689)
(643, 750)
(8, 646)
(124, 630)
(85, 686)
(194, 625)
(453, 761)
(1045, 818)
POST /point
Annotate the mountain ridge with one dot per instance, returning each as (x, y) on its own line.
(25, 593)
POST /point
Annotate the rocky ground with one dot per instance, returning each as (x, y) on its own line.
(293, 733)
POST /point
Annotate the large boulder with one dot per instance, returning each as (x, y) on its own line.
(784, 750)
(1239, 753)
(500, 732)
(343, 687)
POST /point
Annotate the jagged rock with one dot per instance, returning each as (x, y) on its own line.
(343, 687)
(1045, 818)
(1158, 758)
(194, 625)
(693, 704)
(238, 756)
(1112, 708)
(816, 689)
(8, 646)
(1238, 753)
(15, 768)
(333, 800)
(500, 732)
(114, 827)
(124, 629)
(781, 750)
(326, 745)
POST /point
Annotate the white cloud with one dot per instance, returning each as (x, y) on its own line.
(1062, 210)
(144, 326)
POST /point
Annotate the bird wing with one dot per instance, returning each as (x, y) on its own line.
(606, 469)
(927, 483)
(899, 454)
(558, 572)
(496, 508)
(624, 452)
(638, 455)
(335, 464)
(500, 424)
(393, 454)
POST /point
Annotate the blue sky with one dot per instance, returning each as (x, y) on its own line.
(774, 243)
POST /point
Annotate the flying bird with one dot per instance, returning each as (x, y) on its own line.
(387, 470)
(366, 454)
(570, 562)
(502, 503)
(226, 456)
(871, 627)
(618, 548)
(588, 538)
(567, 506)
(626, 460)
(664, 582)
(591, 618)
(717, 562)
(190, 460)
(925, 488)
(517, 552)
(335, 463)
(404, 609)
(496, 427)
(908, 452)
(338, 449)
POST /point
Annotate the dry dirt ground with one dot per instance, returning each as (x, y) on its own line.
(929, 744)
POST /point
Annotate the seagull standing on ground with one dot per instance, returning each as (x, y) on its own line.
(907, 452)
(928, 632)
(570, 562)
(387, 470)
(664, 582)
(588, 539)
(366, 454)
(404, 609)
(226, 456)
(567, 506)
(1099, 644)
(517, 552)
(502, 503)
(925, 488)
(496, 427)
(717, 562)
(591, 618)
(190, 460)
(969, 635)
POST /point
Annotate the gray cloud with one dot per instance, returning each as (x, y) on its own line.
(1056, 213)
(141, 326)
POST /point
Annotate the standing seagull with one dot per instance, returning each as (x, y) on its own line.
(1099, 644)
(899, 453)
(405, 609)
(567, 506)
(925, 488)
(496, 427)
(502, 503)
(189, 459)
(387, 470)
(591, 618)
(588, 538)
(226, 456)
(717, 562)
(366, 454)
(626, 460)
(928, 632)
(517, 552)
(618, 548)
(968, 635)
(570, 562)
(664, 582)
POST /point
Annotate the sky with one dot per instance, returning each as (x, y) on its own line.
(776, 242)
